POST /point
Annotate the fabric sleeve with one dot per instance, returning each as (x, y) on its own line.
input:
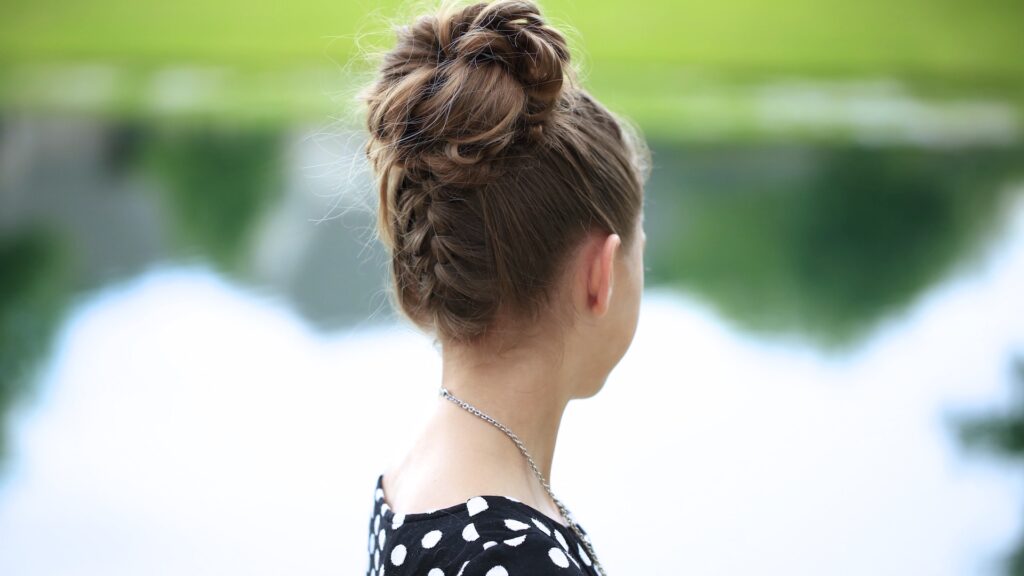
(531, 554)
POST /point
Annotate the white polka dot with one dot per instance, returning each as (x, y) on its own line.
(497, 571)
(476, 505)
(561, 540)
(469, 533)
(371, 543)
(384, 508)
(379, 495)
(542, 527)
(376, 557)
(435, 572)
(515, 541)
(489, 544)
(398, 555)
(376, 523)
(430, 539)
(583, 555)
(397, 522)
(558, 557)
(463, 568)
(515, 525)
(381, 536)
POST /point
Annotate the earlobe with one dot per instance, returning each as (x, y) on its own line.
(602, 274)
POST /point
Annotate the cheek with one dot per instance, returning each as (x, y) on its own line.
(636, 288)
(638, 271)
(639, 290)
(641, 271)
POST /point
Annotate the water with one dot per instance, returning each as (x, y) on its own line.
(208, 379)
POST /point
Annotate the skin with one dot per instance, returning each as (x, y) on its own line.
(457, 455)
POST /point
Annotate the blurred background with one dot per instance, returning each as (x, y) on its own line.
(200, 372)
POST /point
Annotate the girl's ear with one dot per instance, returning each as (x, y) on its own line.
(600, 273)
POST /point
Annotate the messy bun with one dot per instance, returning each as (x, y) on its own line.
(491, 163)
(464, 86)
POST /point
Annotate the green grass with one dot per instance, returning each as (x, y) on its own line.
(959, 39)
(636, 55)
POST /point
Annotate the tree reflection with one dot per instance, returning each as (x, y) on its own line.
(216, 185)
(823, 242)
(33, 295)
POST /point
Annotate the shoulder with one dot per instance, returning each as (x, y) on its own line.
(485, 536)
(525, 549)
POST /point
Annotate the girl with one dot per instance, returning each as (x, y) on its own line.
(511, 204)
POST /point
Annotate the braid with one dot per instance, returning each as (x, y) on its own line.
(439, 256)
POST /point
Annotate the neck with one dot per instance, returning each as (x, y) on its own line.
(459, 455)
(526, 390)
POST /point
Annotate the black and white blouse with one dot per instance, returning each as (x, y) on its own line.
(485, 536)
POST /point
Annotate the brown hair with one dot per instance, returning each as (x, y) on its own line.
(493, 164)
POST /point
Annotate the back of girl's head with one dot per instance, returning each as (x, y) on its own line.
(493, 164)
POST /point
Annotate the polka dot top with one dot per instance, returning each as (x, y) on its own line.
(485, 536)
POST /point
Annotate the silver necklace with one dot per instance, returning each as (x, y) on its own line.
(536, 471)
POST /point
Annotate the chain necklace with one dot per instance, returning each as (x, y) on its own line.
(536, 471)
